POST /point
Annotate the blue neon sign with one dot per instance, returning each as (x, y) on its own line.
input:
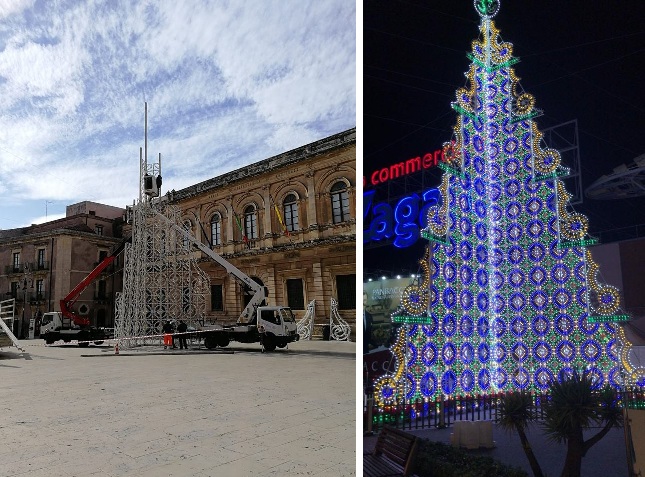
(404, 222)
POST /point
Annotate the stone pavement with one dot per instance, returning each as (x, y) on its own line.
(608, 458)
(68, 411)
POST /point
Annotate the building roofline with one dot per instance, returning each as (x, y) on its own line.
(55, 232)
(308, 151)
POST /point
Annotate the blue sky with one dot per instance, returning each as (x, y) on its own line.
(227, 83)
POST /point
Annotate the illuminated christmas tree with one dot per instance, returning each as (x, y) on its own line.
(509, 297)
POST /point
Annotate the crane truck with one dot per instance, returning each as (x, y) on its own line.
(66, 324)
(271, 326)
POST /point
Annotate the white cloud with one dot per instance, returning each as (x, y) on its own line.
(228, 83)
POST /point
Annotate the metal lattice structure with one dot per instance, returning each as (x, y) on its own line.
(339, 329)
(161, 278)
(306, 324)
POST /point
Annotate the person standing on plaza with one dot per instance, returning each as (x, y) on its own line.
(181, 329)
(167, 337)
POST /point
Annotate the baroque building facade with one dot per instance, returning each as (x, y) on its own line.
(289, 222)
(40, 264)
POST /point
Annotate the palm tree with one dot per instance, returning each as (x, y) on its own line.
(516, 412)
(575, 405)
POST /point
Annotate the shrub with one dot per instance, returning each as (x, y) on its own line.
(435, 459)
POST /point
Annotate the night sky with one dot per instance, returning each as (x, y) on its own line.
(581, 60)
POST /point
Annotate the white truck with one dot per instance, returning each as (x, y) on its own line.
(272, 326)
(54, 327)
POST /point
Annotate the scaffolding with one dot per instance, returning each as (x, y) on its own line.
(161, 278)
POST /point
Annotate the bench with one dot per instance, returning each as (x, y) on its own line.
(392, 456)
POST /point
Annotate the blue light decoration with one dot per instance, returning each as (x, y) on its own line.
(508, 298)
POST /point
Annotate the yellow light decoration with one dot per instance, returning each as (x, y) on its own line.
(525, 103)
(433, 227)
(500, 52)
(414, 298)
(393, 381)
(465, 97)
(603, 308)
(546, 160)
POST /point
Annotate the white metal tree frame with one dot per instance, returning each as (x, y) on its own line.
(161, 278)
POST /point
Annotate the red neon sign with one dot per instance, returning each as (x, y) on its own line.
(404, 168)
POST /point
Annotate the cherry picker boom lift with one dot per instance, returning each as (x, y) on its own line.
(66, 324)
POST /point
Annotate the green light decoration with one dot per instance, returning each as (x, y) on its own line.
(554, 175)
(609, 319)
(524, 117)
(578, 243)
(410, 320)
(509, 298)
(466, 113)
(490, 69)
(451, 170)
(487, 8)
(434, 238)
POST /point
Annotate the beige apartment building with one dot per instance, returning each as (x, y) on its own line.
(41, 264)
(289, 222)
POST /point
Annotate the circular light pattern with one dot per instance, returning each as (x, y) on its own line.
(428, 384)
(466, 274)
(566, 351)
(521, 379)
(542, 351)
(414, 299)
(429, 354)
(467, 353)
(536, 252)
(535, 229)
(448, 382)
(514, 232)
(483, 353)
(512, 166)
(539, 300)
(564, 324)
(468, 380)
(449, 325)
(520, 352)
(483, 378)
(540, 325)
(591, 350)
(519, 326)
(449, 271)
(516, 277)
(448, 353)
(534, 206)
(466, 300)
(543, 377)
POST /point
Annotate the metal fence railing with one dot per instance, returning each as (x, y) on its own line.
(439, 412)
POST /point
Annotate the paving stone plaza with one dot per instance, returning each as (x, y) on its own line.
(69, 411)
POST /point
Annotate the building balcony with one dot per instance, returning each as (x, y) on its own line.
(9, 269)
(44, 265)
(35, 298)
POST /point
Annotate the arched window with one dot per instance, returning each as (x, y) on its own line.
(250, 222)
(216, 230)
(339, 202)
(290, 205)
(185, 241)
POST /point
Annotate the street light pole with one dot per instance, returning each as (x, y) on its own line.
(26, 279)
